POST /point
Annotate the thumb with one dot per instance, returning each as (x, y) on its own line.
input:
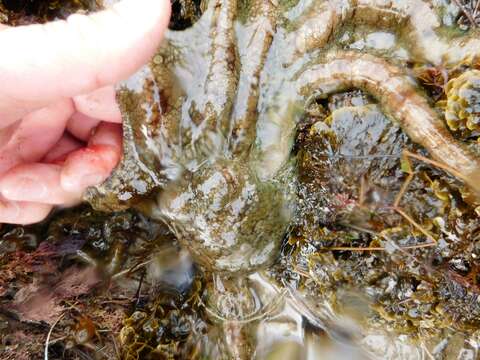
(45, 63)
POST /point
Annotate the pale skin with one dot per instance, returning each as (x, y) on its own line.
(60, 126)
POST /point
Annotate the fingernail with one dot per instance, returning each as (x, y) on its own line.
(23, 189)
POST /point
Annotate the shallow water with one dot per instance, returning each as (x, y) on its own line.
(264, 158)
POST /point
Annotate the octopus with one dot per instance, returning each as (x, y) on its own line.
(210, 123)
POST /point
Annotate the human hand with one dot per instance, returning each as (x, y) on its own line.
(60, 126)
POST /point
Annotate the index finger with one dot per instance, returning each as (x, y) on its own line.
(45, 63)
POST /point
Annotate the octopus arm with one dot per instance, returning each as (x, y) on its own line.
(415, 21)
(396, 93)
(215, 104)
(256, 37)
(147, 114)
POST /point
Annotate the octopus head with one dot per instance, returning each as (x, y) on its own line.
(229, 220)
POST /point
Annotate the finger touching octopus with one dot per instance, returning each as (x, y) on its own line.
(210, 123)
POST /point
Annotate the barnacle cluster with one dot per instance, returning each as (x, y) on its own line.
(163, 329)
(463, 102)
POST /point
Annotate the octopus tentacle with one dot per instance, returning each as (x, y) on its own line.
(315, 25)
(396, 93)
(148, 101)
(209, 111)
(257, 35)
(415, 21)
(222, 75)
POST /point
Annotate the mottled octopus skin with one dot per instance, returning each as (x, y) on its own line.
(414, 21)
(209, 124)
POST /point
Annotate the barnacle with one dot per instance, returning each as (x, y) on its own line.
(463, 104)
